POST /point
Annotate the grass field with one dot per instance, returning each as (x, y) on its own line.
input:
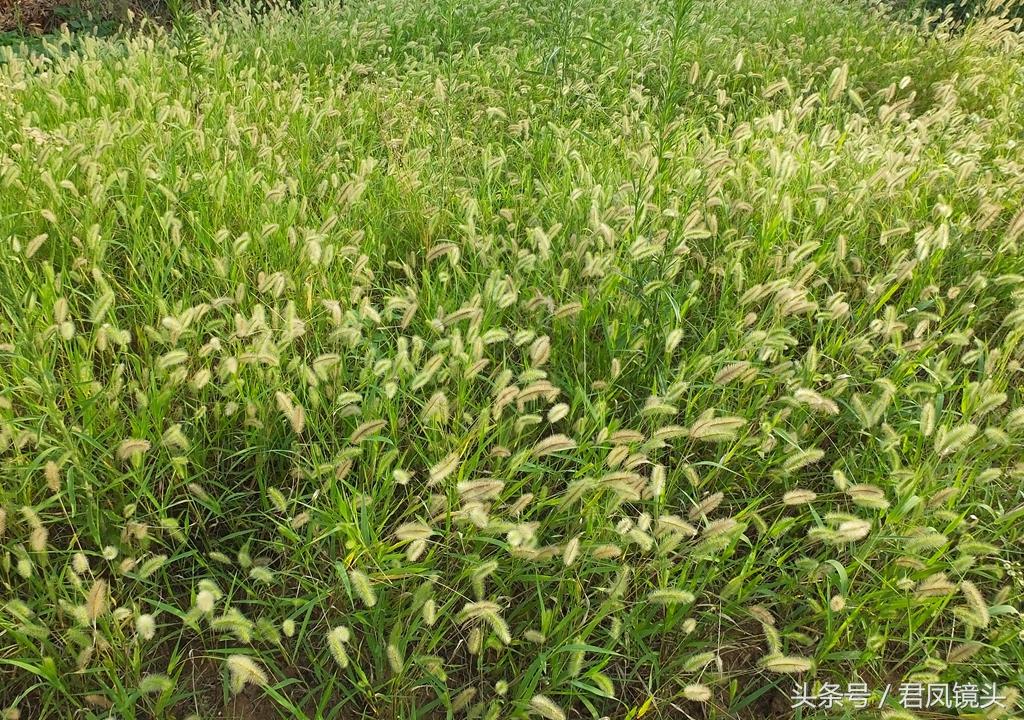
(494, 359)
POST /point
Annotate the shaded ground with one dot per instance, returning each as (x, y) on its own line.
(30, 16)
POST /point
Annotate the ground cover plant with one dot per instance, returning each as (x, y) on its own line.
(562, 358)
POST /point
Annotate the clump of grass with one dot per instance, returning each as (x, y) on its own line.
(510, 359)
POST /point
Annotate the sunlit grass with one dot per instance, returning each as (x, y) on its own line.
(562, 358)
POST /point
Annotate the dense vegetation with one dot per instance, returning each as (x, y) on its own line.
(561, 358)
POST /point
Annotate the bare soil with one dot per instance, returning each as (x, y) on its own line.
(29, 16)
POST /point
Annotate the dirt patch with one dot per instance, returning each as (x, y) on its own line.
(249, 706)
(32, 17)
(739, 661)
(203, 676)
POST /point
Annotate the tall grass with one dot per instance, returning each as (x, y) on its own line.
(562, 358)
